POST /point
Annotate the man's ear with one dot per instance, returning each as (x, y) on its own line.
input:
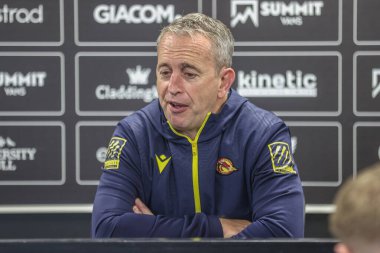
(342, 248)
(227, 77)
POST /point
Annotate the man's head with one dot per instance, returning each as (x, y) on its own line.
(193, 71)
(356, 220)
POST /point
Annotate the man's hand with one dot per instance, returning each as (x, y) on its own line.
(141, 208)
(232, 227)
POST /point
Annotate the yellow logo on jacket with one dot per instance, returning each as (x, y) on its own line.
(113, 153)
(282, 160)
(162, 161)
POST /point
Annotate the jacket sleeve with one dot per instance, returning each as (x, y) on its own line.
(277, 195)
(118, 188)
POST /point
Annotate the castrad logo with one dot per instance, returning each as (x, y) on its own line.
(288, 84)
(16, 83)
(137, 89)
(134, 14)
(290, 13)
(375, 82)
(21, 15)
(10, 153)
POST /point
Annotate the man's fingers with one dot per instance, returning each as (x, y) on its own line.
(136, 210)
(142, 207)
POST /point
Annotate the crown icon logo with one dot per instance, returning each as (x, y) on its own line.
(138, 76)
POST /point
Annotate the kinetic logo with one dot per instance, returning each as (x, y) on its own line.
(137, 77)
(15, 84)
(10, 153)
(134, 14)
(375, 82)
(21, 15)
(290, 13)
(290, 84)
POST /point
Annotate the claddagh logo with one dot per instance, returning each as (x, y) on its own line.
(138, 76)
(375, 82)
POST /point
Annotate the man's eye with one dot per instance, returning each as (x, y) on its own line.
(190, 75)
(165, 73)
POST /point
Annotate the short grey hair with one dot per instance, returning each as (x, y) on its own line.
(220, 36)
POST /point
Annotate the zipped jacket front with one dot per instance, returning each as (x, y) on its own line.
(239, 166)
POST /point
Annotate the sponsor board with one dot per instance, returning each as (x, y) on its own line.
(31, 23)
(366, 86)
(366, 145)
(32, 153)
(91, 152)
(114, 84)
(290, 21)
(291, 83)
(119, 23)
(310, 142)
(366, 23)
(32, 84)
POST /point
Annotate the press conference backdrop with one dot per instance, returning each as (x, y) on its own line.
(71, 69)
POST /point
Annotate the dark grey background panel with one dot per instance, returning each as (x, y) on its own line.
(314, 63)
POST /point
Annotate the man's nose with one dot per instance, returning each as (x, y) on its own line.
(175, 84)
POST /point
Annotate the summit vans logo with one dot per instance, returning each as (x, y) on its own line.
(134, 14)
(138, 77)
(375, 82)
(288, 84)
(16, 83)
(291, 13)
(10, 153)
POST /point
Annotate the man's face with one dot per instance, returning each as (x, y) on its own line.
(187, 82)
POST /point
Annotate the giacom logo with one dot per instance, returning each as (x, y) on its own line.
(138, 87)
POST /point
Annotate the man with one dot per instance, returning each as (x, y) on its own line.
(356, 220)
(201, 161)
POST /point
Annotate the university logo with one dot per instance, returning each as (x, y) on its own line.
(224, 166)
(282, 161)
(375, 82)
(113, 153)
(9, 153)
(138, 76)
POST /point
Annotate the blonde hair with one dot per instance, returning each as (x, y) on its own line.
(357, 214)
(219, 35)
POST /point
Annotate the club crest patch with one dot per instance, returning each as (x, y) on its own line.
(115, 147)
(282, 160)
(224, 166)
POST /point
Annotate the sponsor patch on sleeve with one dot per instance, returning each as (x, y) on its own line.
(113, 153)
(282, 160)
